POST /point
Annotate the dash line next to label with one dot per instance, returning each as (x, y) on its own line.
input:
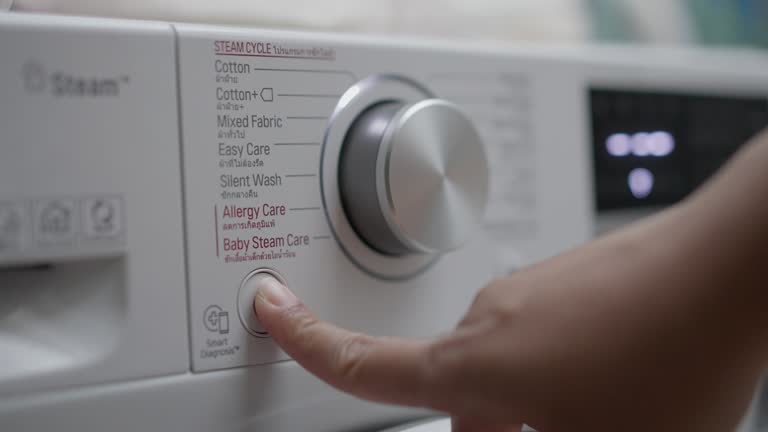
(304, 208)
(308, 95)
(307, 117)
(297, 144)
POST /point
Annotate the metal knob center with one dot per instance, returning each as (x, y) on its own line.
(413, 178)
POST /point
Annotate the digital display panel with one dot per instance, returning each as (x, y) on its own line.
(654, 148)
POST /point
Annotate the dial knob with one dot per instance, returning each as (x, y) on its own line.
(413, 177)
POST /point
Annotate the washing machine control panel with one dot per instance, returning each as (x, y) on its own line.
(383, 185)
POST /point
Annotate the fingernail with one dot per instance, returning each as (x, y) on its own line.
(271, 291)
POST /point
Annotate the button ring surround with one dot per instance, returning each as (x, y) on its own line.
(370, 91)
(245, 299)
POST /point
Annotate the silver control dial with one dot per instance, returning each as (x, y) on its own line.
(413, 177)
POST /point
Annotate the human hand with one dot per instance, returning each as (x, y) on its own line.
(615, 335)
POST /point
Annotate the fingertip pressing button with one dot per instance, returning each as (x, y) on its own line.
(246, 296)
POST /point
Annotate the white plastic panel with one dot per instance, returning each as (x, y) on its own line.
(431, 425)
(277, 398)
(91, 253)
(225, 75)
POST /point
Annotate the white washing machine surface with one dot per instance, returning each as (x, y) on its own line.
(151, 171)
(430, 425)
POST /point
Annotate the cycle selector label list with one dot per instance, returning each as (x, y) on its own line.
(254, 117)
(269, 125)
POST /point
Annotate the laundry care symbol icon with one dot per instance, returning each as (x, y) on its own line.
(34, 76)
(103, 216)
(267, 94)
(56, 219)
(216, 319)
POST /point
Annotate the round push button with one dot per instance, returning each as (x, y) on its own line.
(245, 297)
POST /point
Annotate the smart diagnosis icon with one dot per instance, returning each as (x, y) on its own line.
(216, 320)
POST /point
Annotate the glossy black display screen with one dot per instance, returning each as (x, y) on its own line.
(654, 148)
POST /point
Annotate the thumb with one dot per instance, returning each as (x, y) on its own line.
(381, 369)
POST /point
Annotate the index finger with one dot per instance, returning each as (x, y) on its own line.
(375, 368)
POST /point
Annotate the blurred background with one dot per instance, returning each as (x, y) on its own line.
(709, 22)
